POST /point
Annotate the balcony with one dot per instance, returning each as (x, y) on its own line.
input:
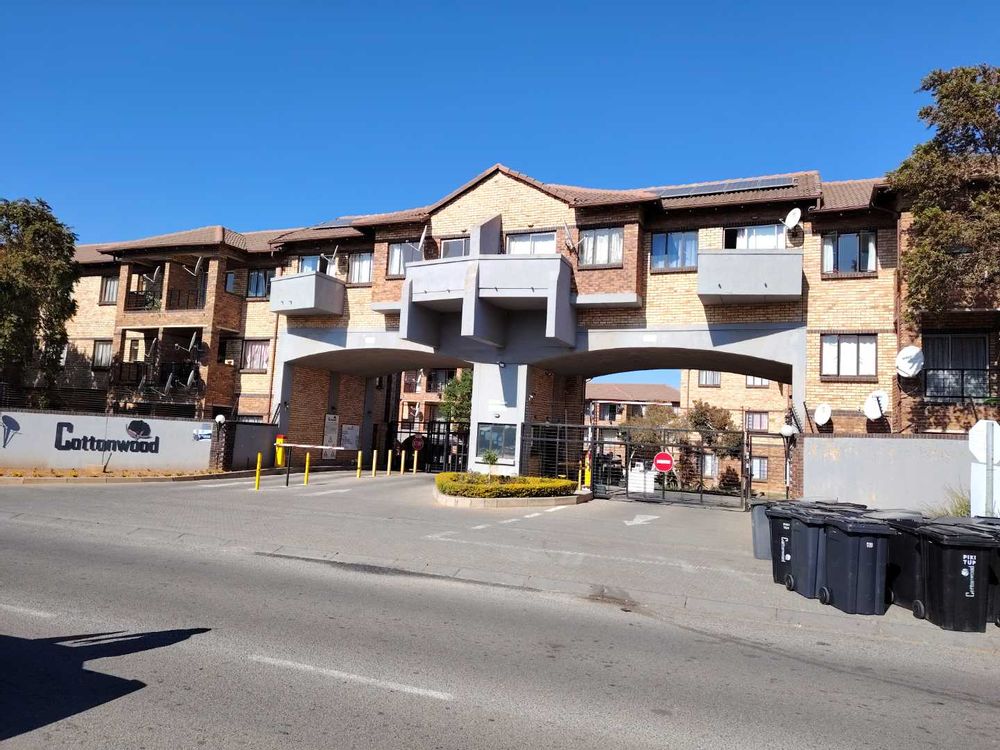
(185, 299)
(142, 302)
(307, 294)
(485, 290)
(739, 277)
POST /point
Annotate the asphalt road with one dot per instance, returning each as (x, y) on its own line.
(224, 648)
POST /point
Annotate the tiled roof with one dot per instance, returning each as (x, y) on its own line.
(659, 393)
(844, 195)
(90, 254)
(259, 241)
(211, 235)
(807, 185)
(310, 234)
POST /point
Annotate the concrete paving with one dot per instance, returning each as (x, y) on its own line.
(359, 614)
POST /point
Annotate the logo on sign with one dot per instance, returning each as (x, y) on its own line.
(140, 432)
(10, 429)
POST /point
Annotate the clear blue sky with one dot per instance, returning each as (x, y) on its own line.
(133, 119)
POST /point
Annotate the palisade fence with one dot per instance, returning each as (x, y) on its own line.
(443, 445)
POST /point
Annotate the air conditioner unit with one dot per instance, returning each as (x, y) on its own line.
(230, 362)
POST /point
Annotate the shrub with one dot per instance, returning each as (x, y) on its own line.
(480, 485)
(957, 503)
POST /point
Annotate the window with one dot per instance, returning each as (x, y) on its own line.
(401, 254)
(758, 468)
(755, 382)
(359, 268)
(601, 247)
(607, 412)
(709, 465)
(231, 282)
(312, 264)
(497, 437)
(254, 418)
(437, 379)
(456, 248)
(674, 250)
(532, 243)
(956, 366)
(109, 290)
(133, 350)
(848, 252)
(411, 381)
(756, 421)
(635, 411)
(767, 237)
(102, 355)
(256, 355)
(709, 378)
(847, 355)
(259, 283)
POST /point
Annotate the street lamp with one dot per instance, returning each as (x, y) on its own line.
(788, 433)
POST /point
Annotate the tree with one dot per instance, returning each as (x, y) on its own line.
(456, 398)
(37, 276)
(715, 425)
(952, 184)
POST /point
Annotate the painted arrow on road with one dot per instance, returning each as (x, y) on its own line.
(640, 520)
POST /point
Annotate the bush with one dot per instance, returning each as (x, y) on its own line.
(480, 485)
(957, 503)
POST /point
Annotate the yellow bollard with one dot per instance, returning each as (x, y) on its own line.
(415, 454)
(586, 473)
(279, 452)
(374, 461)
(388, 463)
(256, 480)
(402, 463)
(579, 479)
(305, 478)
(359, 465)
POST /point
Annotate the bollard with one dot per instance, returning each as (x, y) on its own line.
(388, 463)
(579, 479)
(586, 472)
(374, 461)
(402, 463)
(305, 479)
(256, 479)
(288, 467)
(279, 452)
(359, 465)
(415, 454)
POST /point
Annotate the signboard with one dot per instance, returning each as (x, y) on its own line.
(980, 435)
(984, 485)
(418, 442)
(663, 462)
(331, 430)
(350, 436)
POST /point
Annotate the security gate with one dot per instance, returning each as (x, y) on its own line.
(439, 445)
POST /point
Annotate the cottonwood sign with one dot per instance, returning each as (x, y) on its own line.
(61, 441)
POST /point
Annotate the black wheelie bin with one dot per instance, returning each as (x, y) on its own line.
(904, 573)
(780, 519)
(855, 557)
(956, 562)
(808, 541)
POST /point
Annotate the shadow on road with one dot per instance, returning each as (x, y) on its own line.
(42, 680)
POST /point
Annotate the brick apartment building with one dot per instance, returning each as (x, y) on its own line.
(422, 391)
(611, 404)
(535, 287)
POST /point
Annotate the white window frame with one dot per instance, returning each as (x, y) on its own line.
(602, 248)
(313, 264)
(750, 237)
(108, 282)
(840, 349)
(867, 243)
(359, 268)
(104, 363)
(754, 382)
(756, 464)
(663, 261)
(401, 254)
(752, 419)
(709, 466)
(536, 241)
(448, 245)
(245, 359)
(709, 379)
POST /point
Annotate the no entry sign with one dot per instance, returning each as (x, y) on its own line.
(418, 442)
(663, 462)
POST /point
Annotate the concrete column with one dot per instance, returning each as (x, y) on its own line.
(499, 396)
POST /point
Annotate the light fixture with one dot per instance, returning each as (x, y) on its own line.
(220, 419)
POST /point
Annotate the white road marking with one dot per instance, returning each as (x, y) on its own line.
(27, 611)
(325, 492)
(554, 508)
(640, 520)
(360, 679)
(511, 520)
(533, 515)
(481, 526)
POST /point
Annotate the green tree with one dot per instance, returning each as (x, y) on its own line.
(715, 425)
(37, 275)
(952, 185)
(456, 398)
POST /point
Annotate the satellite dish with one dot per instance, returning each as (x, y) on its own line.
(420, 243)
(170, 383)
(791, 221)
(191, 378)
(142, 383)
(875, 405)
(194, 341)
(197, 265)
(909, 361)
(822, 414)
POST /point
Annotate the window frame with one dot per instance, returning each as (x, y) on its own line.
(748, 417)
(246, 347)
(715, 465)
(268, 278)
(531, 234)
(229, 283)
(612, 412)
(593, 232)
(984, 338)
(840, 336)
(653, 268)
(834, 272)
(322, 263)
(106, 279)
(94, 366)
(745, 227)
(466, 246)
(501, 455)
(755, 382)
(702, 381)
(351, 264)
(400, 273)
(754, 476)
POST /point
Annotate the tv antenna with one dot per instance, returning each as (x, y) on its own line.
(822, 414)
(331, 260)
(570, 245)
(792, 219)
(874, 406)
(152, 280)
(420, 242)
(909, 362)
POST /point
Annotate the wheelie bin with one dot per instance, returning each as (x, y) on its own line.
(760, 528)
(807, 566)
(956, 561)
(904, 574)
(780, 521)
(855, 556)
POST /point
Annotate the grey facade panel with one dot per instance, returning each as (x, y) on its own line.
(307, 294)
(749, 276)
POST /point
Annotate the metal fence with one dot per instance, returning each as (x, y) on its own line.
(439, 445)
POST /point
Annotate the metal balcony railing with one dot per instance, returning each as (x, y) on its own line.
(957, 383)
(185, 299)
(141, 301)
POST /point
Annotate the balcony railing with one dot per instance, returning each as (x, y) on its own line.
(128, 374)
(141, 301)
(131, 374)
(185, 299)
(957, 383)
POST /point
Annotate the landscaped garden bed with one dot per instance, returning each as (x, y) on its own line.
(481, 490)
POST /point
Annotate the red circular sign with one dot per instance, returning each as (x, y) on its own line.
(663, 462)
(418, 442)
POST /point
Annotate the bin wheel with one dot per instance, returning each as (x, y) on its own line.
(824, 595)
(996, 621)
(919, 611)
(790, 582)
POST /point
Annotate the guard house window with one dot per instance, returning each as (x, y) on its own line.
(109, 290)
(756, 421)
(401, 254)
(102, 355)
(758, 468)
(455, 248)
(259, 283)
(849, 252)
(709, 465)
(231, 282)
(256, 355)
(709, 378)
(312, 264)
(500, 438)
(766, 237)
(359, 268)
(531, 243)
(848, 355)
(674, 250)
(601, 247)
(755, 382)
(956, 366)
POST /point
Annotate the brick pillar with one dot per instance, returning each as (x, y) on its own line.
(796, 459)
(223, 443)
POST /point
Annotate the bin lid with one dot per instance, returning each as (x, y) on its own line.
(761, 501)
(811, 515)
(861, 525)
(987, 520)
(854, 508)
(955, 535)
(907, 523)
(889, 514)
(779, 510)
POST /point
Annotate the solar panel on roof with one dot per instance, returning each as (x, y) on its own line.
(729, 186)
(334, 224)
